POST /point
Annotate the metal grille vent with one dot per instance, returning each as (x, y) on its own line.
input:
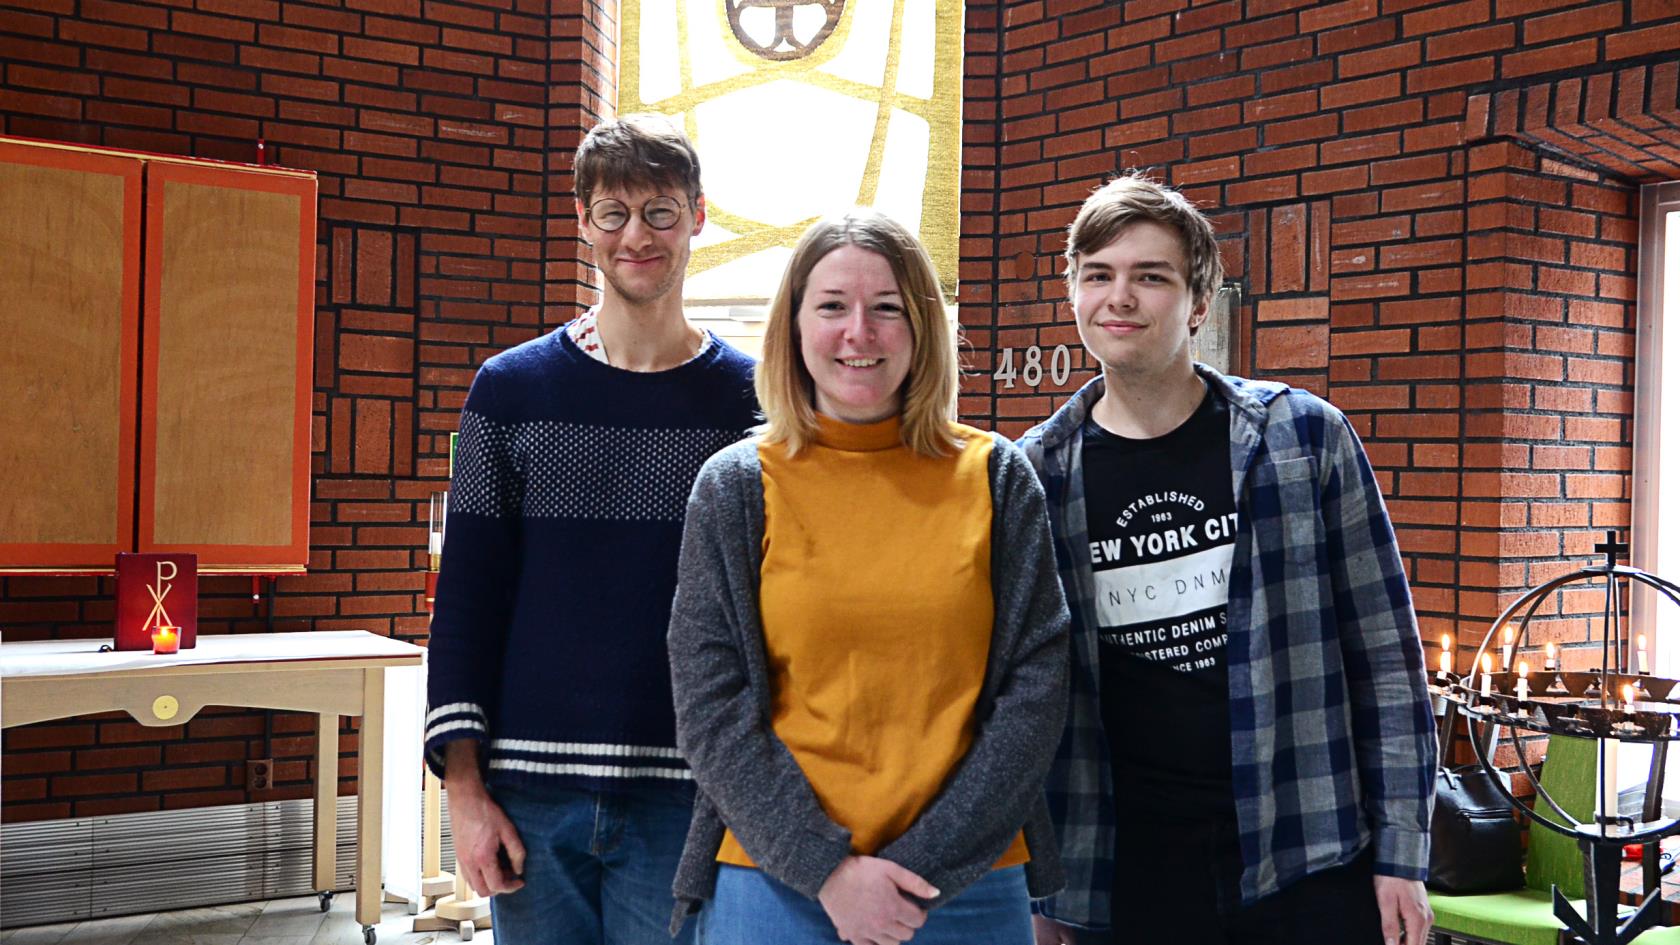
(96, 867)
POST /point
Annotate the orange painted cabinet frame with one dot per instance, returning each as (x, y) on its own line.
(155, 402)
(225, 372)
(69, 347)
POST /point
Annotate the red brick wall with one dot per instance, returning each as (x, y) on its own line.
(442, 132)
(1372, 166)
(1374, 170)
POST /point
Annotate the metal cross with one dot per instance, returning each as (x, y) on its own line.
(1611, 548)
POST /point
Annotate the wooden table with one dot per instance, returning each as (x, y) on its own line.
(329, 673)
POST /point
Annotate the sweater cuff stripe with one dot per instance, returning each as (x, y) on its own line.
(456, 708)
(444, 728)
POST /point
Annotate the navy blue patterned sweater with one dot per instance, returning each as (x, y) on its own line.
(559, 560)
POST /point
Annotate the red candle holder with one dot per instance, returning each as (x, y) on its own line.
(166, 639)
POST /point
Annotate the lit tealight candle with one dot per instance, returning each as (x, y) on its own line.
(1487, 676)
(1551, 656)
(1644, 661)
(166, 639)
(1505, 658)
(1522, 681)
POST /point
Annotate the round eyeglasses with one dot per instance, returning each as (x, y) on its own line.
(659, 213)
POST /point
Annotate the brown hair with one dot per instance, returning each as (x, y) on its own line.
(1134, 198)
(631, 151)
(786, 390)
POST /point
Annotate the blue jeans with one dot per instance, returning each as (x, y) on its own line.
(598, 865)
(751, 908)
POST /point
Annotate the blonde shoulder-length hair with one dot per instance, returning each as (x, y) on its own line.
(786, 391)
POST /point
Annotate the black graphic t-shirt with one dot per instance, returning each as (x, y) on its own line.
(1162, 523)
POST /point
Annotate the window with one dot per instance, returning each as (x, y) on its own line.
(1655, 535)
(798, 110)
(1656, 458)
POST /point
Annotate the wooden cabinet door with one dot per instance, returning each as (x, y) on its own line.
(225, 375)
(69, 320)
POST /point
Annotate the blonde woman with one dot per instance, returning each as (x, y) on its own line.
(868, 643)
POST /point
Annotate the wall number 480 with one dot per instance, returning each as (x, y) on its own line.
(1032, 366)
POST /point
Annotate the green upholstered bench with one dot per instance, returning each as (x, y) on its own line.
(1518, 917)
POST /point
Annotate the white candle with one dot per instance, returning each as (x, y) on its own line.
(1644, 662)
(1446, 656)
(1487, 675)
(1604, 789)
(1505, 659)
(1627, 698)
(1551, 656)
(1522, 681)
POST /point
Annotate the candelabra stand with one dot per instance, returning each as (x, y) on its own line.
(1583, 705)
(449, 903)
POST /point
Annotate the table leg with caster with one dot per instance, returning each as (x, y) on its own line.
(326, 806)
(370, 787)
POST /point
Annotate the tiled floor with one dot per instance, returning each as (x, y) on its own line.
(277, 922)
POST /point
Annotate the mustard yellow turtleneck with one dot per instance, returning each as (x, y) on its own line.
(876, 601)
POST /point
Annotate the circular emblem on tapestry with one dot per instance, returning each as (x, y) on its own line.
(783, 30)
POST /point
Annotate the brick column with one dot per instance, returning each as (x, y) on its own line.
(1548, 382)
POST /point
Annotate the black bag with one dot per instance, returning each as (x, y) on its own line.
(1475, 844)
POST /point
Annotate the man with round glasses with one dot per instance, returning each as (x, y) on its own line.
(661, 213)
(549, 704)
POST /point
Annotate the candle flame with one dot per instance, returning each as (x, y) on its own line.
(1446, 641)
(1551, 649)
(1522, 668)
(1627, 695)
(1509, 635)
(1487, 663)
(1642, 641)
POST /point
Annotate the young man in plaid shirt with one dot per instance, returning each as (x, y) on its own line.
(1250, 753)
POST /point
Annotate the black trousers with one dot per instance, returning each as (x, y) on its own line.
(1176, 883)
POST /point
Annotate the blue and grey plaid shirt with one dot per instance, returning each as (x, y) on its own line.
(1332, 739)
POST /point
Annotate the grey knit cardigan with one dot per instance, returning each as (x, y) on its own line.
(749, 781)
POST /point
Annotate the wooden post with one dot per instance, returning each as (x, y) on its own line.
(326, 801)
(370, 791)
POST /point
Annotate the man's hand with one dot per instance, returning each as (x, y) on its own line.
(482, 830)
(1047, 931)
(865, 899)
(1403, 905)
